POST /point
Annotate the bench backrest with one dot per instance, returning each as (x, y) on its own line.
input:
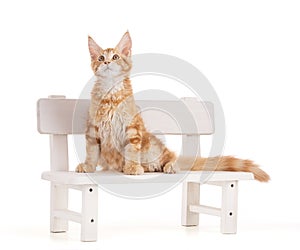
(187, 116)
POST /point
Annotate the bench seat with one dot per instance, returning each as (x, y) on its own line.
(111, 177)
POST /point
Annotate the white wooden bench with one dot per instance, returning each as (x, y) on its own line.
(60, 117)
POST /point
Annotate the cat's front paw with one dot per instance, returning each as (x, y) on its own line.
(170, 168)
(84, 168)
(133, 169)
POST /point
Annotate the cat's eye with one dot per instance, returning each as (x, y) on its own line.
(101, 58)
(115, 57)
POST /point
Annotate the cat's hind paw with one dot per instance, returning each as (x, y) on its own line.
(170, 168)
(84, 168)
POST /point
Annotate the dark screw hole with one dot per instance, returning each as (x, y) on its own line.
(230, 214)
(232, 185)
(92, 220)
(91, 190)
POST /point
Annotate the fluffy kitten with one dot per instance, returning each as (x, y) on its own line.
(116, 137)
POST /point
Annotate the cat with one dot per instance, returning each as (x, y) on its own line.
(116, 136)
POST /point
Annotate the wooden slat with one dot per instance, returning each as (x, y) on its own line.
(55, 116)
(111, 177)
(187, 116)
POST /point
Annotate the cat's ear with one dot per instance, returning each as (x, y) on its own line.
(124, 46)
(94, 48)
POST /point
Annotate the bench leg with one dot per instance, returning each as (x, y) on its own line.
(58, 200)
(229, 207)
(89, 224)
(190, 196)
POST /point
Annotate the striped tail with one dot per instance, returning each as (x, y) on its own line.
(224, 163)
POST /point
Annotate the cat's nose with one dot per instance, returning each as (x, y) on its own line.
(106, 62)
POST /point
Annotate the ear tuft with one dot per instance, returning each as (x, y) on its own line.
(124, 46)
(94, 48)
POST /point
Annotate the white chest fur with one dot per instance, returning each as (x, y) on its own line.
(112, 118)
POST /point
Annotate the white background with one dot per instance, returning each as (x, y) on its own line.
(250, 52)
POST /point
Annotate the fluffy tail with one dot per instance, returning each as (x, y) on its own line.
(224, 163)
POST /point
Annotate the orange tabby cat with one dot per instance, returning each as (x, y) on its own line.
(116, 137)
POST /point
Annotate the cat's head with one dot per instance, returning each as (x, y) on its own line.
(111, 62)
